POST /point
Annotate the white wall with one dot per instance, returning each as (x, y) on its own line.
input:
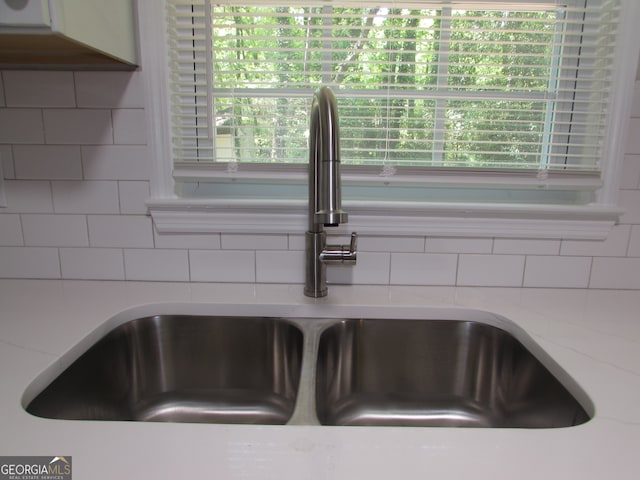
(77, 170)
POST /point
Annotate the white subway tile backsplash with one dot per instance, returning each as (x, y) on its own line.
(458, 245)
(47, 162)
(615, 273)
(6, 161)
(85, 196)
(3, 200)
(39, 89)
(280, 266)
(346, 275)
(630, 178)
(615, 244)
(526, 246)
(29, 262)
(120, 231)
(633, 138)
(635, 109)
(116, 162)
(109, 89)
(389, 244)
(2, 102)
(25, 196)
(423, 269)
(21, 125)
(629, 200)
(634, 242)
(490, 270)
(55, 230)
(92, 263)
(10, 230)
(222, 265)
(296, 241)
(196, 241)
(372, 268)
(133, 195)
(157, 265)
(557, 272)
(253, 242)
(129, 127)
(78, 126)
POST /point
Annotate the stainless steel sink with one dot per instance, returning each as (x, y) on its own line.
(436, 373)
(463, 370)
(182, 369)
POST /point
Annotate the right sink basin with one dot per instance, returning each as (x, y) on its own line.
(376, 372)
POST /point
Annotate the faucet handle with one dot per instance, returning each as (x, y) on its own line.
(349, 257)
(341, 254)
(353, 246)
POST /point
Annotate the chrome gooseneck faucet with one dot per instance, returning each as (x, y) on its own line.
(325, 205)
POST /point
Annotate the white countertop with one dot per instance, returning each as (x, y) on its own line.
(593, 335)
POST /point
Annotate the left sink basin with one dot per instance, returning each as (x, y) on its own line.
(177, 368)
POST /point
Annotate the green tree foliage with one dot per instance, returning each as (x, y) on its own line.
(414, 87)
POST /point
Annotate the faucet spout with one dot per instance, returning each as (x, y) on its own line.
(325, 201)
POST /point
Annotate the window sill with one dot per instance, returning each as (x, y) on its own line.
(589, 222)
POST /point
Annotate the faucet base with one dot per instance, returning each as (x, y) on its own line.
(316, 293)
(315, 271)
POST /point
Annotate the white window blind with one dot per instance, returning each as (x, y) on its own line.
(482, 86)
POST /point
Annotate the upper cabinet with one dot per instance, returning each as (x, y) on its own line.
(68, 34)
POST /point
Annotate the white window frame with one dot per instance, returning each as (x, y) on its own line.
(174, 214)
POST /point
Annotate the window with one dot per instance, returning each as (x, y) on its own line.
(488, 103)
(508, 86)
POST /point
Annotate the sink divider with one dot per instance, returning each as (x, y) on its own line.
(304, 412)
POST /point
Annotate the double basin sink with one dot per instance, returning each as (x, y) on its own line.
(422, 372)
